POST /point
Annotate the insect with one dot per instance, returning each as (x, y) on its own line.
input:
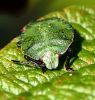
(44, 41)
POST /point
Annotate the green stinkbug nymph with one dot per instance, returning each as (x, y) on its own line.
(44, 41)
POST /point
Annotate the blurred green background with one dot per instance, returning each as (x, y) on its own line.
(16, 14)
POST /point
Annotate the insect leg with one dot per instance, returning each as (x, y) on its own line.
(19, 62)
(37, 63)
(29, 59)
(67, 64)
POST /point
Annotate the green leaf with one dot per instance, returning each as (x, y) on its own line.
(24, 82)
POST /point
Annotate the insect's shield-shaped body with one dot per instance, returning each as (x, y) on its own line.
(46, 39)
